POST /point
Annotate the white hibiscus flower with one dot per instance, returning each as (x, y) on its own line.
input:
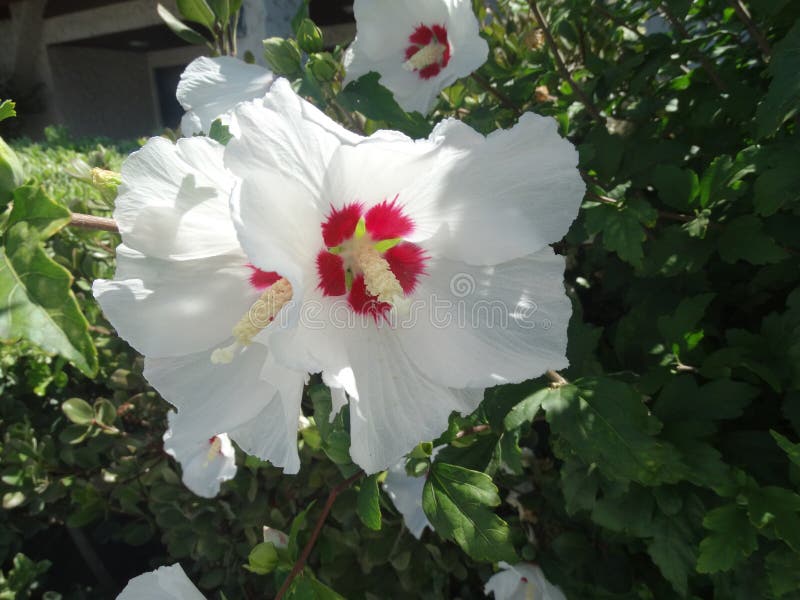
(405, 492)
(523, 581)
(182, 285)
(376, 238)
(419, 47)
(205, 462)
(211, 87)
(165, 583)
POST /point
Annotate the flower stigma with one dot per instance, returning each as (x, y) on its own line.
(260, 315)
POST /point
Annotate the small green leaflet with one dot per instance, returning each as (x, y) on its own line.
(368, 506)
(731, 539)
(7, 110)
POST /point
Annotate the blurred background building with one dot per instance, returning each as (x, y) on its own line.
(110, 67)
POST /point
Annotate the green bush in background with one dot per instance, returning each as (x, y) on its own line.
(666, 466)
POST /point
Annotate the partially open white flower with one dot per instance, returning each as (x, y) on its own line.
(419, 47)
(182, 285)
(165, 583)
(211, 87)
(523, 581)
(205, 461)
(420, 270)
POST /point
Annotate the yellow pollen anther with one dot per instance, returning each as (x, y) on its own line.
(261, 314)
(425, 57)
(378, 276)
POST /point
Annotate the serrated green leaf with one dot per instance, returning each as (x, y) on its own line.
(7, 110)
(179, 28)
(777, 510)
(622, 232)
(457, 502)
(744, 238)
(673, 551)
(38, 303)
(676, 187)
(777, 188)
(783, 98)
(368, 506)
(219, 132)
(579, 484)
(605, 422)
(732, 539)
(78, 411)
(783, 572)
(523, 412)
(792, 450)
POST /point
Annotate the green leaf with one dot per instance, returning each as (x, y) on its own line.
(783, 572)
(179, 28)
(307, 587)
(732, 539)
(783, 97)
(7, 110)
(309, 37)
(105, 412)
(370, 98)
(368, 506)
(262, 559)
(457, 502)
(197, 11)
(792, 450)
(222, 10)
(776, 510)
(11, 174)
(298, 524)
(78, 411)
(676, 187)
(283, 57)
(776, 188)
(605, 422)
(678, 329)
(744, 239)
(673, 551)
(523, 412)
(621, 229)
(38, 303)
(220, 133)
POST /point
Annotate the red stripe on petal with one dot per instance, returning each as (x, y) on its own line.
(364, 303)
(430, 71)
(441, 34)
(446, 55)
(340, 224)
(330, 269)
(387, 220)
(407, 262)
(411, 51)
(261, 280)
(422, 36)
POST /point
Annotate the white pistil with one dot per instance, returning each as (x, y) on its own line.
(261, 314)
(216, 447)
(426, 56)
(378, 276)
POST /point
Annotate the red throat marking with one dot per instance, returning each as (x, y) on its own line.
(422, 37)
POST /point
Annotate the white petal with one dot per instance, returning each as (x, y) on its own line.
(272, 434)
(206, 460)
(406, 495)
(482, 326)
(170, 308)
(520, 582)
(210, 87)
(165, 583)
(173, 200)
(395, 407)
(480, 200)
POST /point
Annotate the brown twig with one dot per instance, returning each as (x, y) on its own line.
(556, 380)
(683, 33)
(486, 85)
(301, 561)
(562, 67)
(92, 222)
(760, 38)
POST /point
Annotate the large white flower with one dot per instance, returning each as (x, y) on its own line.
(523, 581)
(419, 47)
(211, 87)
(165, 583)
(205, 461)
(182, 285)
(420, 270)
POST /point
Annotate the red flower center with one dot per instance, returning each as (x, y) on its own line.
(366, 249)
(428, 51)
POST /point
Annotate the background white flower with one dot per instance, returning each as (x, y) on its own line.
(419, 47)
(182, 284)
(205, 461)
(211, 87)
(406, 495)
(165, 583)
(523, 581)
(373, 231)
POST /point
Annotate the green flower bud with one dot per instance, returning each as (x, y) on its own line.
(283, 56)
(309, 36)
(323, 66)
